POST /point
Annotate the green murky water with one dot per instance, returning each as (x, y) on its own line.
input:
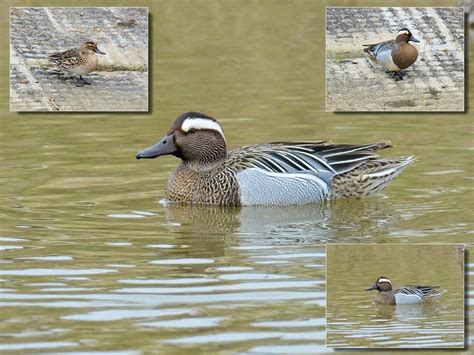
(91, 261)
(354, 320)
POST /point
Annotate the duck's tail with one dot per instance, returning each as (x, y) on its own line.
(433, 296)
(369, 50)
(369, 178)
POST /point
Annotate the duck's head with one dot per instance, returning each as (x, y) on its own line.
(383, 284)
(193, 137)
(90, 47)
(404, 35)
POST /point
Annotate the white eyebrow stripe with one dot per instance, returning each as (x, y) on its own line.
(403, 32)
(201, 123)
(384, 280)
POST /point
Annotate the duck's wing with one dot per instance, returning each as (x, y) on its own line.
(295, 172)
(428, 292)
(67, 58)
(376, 49)
(321, 158)
(408, 295)
(420, 293)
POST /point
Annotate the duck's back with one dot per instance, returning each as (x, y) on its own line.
(66, 58)
(282, 173)
(378, 48)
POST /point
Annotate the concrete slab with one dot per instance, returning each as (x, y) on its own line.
(120, 83)
(434, 83)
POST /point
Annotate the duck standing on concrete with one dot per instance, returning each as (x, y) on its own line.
(281, 173)
(77, 62)
(409, 294)
(395, 55)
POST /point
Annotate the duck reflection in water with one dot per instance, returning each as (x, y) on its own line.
(405, 313)
(351, 220)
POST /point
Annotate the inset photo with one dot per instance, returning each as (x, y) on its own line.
(79, 59)
(395, 59)
(395, 296)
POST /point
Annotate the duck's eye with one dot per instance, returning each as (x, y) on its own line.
(192, 130)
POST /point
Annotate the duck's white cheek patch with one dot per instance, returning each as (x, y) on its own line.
(201, 123)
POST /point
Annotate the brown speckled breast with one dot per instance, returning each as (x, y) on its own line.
(404, 55)
(385, 298)
(90, 63)
(216, 187)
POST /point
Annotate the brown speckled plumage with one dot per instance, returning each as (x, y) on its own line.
(188, 185)
(385, 298)
(78, 61)
(208, 174)
(359, 183)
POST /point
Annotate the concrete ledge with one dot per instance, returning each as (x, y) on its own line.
(434, 83)
(120, 82)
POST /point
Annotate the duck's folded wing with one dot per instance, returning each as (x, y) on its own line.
(408, 295)
(377, 48)
(293, 173)
(428, 292)
(321, 158)
(69, 57)
(423, 293)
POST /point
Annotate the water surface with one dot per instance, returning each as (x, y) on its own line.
(354, 320)
(91, 261)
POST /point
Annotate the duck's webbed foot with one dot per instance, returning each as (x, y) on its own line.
(60, 75)
(81, 81)
(397, 75)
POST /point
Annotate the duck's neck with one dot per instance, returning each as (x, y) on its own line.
(203, 165)
(205, 156)
(402, 38)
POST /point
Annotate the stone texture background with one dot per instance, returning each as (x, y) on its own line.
(119, 84)
(434, 83)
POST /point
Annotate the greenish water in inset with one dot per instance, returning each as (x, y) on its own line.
(354, 320)
(91, 261)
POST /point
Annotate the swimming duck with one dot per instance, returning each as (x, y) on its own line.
(77, 62)
(267, 174)
(409, 294)
(395, 55)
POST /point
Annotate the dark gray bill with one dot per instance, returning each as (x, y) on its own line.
(163, 147)
(373, 287)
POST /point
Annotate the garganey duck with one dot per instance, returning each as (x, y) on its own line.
(409, 294)
(77, 62)
(267, 174)
(395, 55)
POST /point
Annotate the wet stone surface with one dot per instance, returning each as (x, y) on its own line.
(435, 82)
(120, 83)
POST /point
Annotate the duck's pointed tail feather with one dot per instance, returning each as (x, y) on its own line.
(389, 169)
(369, 178)
(435, 295)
